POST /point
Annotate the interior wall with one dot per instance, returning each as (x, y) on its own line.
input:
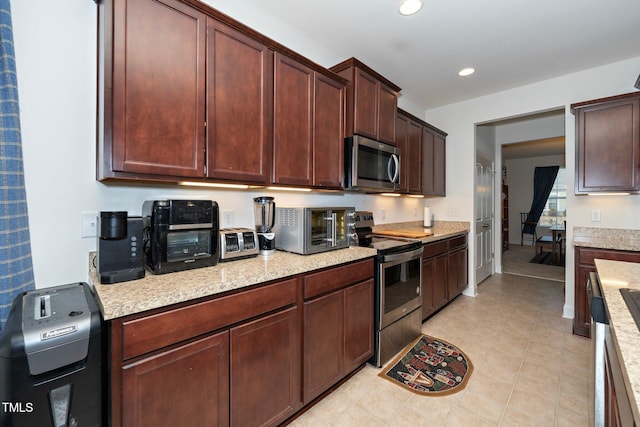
(520, 181)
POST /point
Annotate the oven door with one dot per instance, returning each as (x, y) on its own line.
(371, 165)
(599, 322)
(400, 278)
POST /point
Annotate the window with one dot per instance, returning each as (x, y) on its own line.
(555, 211)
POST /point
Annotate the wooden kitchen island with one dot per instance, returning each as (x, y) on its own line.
(247, 342)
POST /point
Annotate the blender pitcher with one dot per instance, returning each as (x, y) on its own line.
(265, 210)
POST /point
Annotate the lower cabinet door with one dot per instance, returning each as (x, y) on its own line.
(265, 370)
(185, 386)
(358, 325)
(323, 337)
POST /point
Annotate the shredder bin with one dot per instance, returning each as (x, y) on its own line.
(51, 360)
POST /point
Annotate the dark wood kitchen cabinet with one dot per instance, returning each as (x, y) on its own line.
(433, 161)
(307, 126)
(265, 370)
(457, 279)
(338, 325)
(423, 156)
(293, 122)
(372, 101)
(245, 358)
(177, 363)
(409, 140)
(608, 144)
(153, 104)
(187, 93)
(239, 105)
(444, 272)
(585, 264)
(164, 389)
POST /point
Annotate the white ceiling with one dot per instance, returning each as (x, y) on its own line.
(509, 42)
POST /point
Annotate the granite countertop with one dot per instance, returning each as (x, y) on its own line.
(155, 291)
(441, 229)
(615, 275)
(607, 238)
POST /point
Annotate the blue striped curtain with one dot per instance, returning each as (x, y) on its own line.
(16, 269)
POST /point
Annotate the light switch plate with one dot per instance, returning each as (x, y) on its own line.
(595, 215)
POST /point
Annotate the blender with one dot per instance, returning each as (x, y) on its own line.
(265, 210)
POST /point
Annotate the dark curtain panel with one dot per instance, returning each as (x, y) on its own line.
(16, 270)
(543, 179)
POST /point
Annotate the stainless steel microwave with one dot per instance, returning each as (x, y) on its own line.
(371, 165)
(306, 230)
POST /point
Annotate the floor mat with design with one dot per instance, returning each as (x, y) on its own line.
(547, 259)
(430, 366)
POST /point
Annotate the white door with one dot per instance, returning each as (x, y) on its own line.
(484, 217)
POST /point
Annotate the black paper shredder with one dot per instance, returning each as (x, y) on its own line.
(51, 360)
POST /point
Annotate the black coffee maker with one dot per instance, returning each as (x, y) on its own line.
(119, 251)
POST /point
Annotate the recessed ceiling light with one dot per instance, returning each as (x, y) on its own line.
(466, 72)
(410, 7)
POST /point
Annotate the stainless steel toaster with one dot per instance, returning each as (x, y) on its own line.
(238, 243)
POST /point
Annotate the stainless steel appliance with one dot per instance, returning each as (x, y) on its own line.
(51, 359)
(180, 234)
(119, 255)
(371, 165)
(398, 289)
(309, 230)
(599, 321)
(264, 211)
(237, 243)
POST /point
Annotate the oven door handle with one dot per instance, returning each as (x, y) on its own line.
(403, 256)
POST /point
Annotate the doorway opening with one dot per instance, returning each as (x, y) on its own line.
(522, 144)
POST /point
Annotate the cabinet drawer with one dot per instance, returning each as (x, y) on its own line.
(335, 278)
(152, 332)
(456, 242)
(586, 256)
(435, 248)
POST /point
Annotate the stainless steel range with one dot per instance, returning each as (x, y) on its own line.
(398, 289)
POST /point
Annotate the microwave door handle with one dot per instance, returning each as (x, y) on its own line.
(393, 168)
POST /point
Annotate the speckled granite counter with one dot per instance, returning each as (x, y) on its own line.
(607, 238)
(441, 229)
(155, 291)
(613, 276)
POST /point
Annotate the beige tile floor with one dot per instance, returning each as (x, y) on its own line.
(529, 370)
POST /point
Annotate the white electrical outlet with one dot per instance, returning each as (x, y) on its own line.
(89, 224)
(595, 215)
(227, 218)
(383, 214)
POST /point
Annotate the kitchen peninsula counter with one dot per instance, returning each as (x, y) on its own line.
(607, 238)
(615, 275)
(156, 291)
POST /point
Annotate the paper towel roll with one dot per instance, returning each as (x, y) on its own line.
(427, 216)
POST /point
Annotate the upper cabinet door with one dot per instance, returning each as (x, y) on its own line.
(293, 122)
(239, 103)
(156, 125)
(608, 145)
(388, 106)
(402, 123)
(367, 98)
(328, 151)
